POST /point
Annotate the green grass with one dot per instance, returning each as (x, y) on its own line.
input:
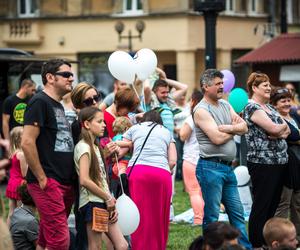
(181, 235)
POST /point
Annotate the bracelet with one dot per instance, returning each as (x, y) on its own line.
(108, 200)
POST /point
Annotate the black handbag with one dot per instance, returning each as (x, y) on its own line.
(124, 177)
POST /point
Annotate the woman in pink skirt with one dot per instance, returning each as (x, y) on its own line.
(150, 182)
(17, 171)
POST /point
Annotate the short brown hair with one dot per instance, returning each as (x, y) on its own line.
(275, 229)
(256, 79)
(26, 82)
(159, 83)
(279, 93)
(126, 98)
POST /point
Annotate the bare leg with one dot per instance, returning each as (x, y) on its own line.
(115, 235)
(108, 243)
(94, 238)
(38, 247)
(12, 206)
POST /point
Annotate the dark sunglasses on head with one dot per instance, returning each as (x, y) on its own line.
(64, 74)
(90, 101)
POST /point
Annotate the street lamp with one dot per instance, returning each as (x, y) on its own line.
(210, 9)
(140, 27)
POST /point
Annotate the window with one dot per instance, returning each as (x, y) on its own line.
(133, 7)
(236, 6)
(293, 11)
(27, 8)
(258, 7)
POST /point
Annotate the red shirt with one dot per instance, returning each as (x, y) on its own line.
(109, 120)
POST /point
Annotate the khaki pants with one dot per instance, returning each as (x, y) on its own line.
(290, 205)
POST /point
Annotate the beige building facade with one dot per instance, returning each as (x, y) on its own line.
(85, 31)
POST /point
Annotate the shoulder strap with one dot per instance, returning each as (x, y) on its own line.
(141, 149)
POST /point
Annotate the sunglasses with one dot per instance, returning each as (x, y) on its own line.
(90, 101)
(64, 74)
(281, 91)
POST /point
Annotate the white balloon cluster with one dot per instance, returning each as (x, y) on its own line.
(125, 68)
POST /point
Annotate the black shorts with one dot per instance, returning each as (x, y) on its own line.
(87, 210)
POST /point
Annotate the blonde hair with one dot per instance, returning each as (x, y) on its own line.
(78, 93)
(121, 125)
(15, 139)
(276, 229)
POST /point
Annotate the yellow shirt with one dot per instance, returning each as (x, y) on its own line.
(85, 195)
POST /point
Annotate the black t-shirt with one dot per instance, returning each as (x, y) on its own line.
(54, 144)
(15, 107)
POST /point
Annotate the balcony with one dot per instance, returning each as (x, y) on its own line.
(25, 32)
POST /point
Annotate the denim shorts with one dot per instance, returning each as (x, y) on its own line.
(87, 210)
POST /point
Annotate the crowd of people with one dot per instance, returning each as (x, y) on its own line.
(68, 148)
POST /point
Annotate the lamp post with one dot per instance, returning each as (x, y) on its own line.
(210, 9)
(140, 27)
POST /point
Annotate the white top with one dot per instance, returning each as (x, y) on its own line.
(86, 196)
(155, 151)
(191, 147)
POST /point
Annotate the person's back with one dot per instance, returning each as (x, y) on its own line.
(24, 228)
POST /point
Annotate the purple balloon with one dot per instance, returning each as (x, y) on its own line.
(229, 80)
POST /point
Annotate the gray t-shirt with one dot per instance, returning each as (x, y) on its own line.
(221, 115)
(24, 228)
(155, 151)
(109, 99)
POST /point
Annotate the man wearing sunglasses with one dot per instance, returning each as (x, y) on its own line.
(48, 147)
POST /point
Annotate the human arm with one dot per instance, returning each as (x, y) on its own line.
(124, 144)
(237, 127)
(23, 163)
(109, 149)
(86, 181)
(260, 118)
(102, 106)
(5, 125)
(172, 155)
(4, 143)
(180, 88)
(185, 132)
(207, 124)
(30, 134)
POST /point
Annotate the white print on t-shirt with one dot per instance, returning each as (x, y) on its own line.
(64, 140)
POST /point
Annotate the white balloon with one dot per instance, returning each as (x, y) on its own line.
(145, 63)
(129, 216)
(121, 66)
(242, 175)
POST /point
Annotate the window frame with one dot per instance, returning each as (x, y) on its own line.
(28, 7)
(134, 11)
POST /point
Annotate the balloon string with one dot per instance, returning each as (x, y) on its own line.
(143, 94)
(117, 162)
(137, 94)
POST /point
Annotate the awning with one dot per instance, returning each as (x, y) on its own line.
(282, 49)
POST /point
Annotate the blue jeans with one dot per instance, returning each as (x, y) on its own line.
(219, 184)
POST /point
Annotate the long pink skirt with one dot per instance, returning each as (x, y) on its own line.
(151, 190)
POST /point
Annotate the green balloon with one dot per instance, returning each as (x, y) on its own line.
(238, 98)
